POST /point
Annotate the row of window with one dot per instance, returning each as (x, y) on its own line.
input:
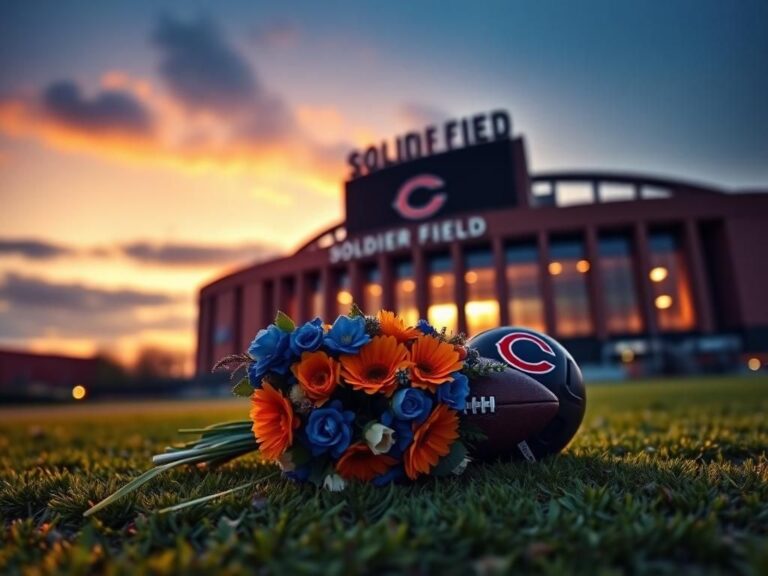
(569, 273)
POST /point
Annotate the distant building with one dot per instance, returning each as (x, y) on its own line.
(27, 375)
(659, 275)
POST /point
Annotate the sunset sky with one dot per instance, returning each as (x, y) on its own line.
(147, 147)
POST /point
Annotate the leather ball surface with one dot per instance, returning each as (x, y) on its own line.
(544, 359)
(508, 407)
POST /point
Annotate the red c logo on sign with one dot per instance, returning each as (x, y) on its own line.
(505, 348)
(403, 204)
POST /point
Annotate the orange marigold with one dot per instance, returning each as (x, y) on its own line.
(273, 421)
(318, 375)
(431, 441)
(374, 368)
(433, 362)
(359, 463)
(392, 325)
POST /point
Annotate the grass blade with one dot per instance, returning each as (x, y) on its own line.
(203, 499)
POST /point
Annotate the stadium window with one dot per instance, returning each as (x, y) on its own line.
(442, 310)
(315, 296)
(619, 293)
(482, 306)
(617, 192)
(343, 293)
(572, 193)
(524, 302)
(405, 293)
(670, 282)
(372, 290)
(569, 269)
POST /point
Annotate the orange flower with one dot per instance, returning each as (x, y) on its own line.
(359, 463)
(318, 375)
(273, 421)
(433, 362)
(392, 325)
(431, 441)
(374, 368)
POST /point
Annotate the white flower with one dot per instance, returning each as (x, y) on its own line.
(379, 438)
(334, 483)
(286, 462)
(459, 470)
(299, 399)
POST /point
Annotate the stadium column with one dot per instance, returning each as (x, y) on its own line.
(595, 283)
(329, 294)
(237, 341)
(356, 282)
(420, 278)
(387, 283)
(277, 296)
(701, 294)
(301, 297)
(547, 292)
(500, 267)
(459, 287)
(203, 334)
(644, 288)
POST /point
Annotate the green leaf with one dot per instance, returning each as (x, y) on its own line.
(449, 462)
(284, 322)
(243, 388)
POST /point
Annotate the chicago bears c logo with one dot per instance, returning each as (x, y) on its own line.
(402, 203)
(505, 346)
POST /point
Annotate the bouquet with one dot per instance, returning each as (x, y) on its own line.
(366, 399)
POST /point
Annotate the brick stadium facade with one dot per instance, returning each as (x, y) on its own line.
(659, 275)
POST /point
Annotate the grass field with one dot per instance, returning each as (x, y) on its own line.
(664, 478)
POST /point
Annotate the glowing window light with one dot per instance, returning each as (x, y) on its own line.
(555, 268)
(408, 286)
(440, 315)
(627, 355)
(663, 301)
(658, 274)
(754, 364)
(482, 314)
(438, 281)
(582, 266)
(470, 277)
(374, 289)
(79, 392)
(344, 297)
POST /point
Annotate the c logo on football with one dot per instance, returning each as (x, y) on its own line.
(403, 204)
(506, 351)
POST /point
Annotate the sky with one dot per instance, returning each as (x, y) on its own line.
(146, 148)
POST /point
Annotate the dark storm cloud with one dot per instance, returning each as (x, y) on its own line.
(33, 249)
(197, 254)
(32, 292)
(34, 306)
(108, 111)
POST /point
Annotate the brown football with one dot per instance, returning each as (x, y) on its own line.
(508, 407)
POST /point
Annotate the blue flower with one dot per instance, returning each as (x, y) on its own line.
(270, 349)
(403, 433)
(308, 337)
(411, 404)
(454, 392)
(425, 327)
(329, 429)
(391, 476)
(347, 335)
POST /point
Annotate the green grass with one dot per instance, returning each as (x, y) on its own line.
(664, 477)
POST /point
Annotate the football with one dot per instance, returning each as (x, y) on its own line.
(507, 407)
(542, 358)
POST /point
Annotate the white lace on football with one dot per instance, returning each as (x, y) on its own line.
(483, 405)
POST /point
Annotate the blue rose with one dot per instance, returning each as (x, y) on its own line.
(411, 404)
(403, 433)
(308, 337)
(392, 476)
(454, 392)
(271, 352)
(347, 335)
(425, 327)
(329, 429)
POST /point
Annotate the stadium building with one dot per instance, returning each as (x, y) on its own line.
(642, 273)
